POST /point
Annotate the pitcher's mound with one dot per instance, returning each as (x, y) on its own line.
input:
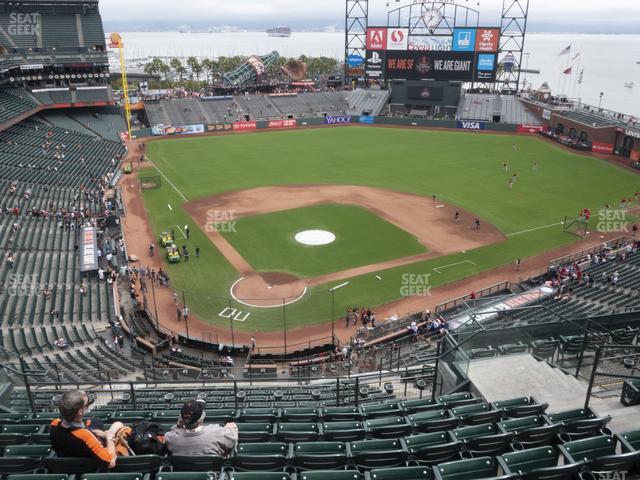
(268, 290)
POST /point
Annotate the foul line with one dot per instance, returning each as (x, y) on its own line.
(184, 236)
(169, 181)
(534, 229)
(437, 270)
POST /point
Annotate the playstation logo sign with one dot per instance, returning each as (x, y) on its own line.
(375, 58)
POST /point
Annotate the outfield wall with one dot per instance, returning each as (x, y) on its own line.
(338, 120)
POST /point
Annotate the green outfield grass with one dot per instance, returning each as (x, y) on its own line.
(461, 168)
(362, 238)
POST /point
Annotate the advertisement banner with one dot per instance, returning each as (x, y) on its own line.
(435, 65)
(244, 126)
(354, 60)
(470, 125)
(377, 38)
(487, 39)
(635, 155)
(546, 114)
(397, 38)
(632, 133)
(600, 147)
(368, 119)
(162, 130)
(288, 123)
(88, 250)
(486, 65)
(529, 128)
(374, 65)
(337, 119)
(464, 39)
(419, 42)
(219, 127)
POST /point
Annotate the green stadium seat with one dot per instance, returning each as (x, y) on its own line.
(12, 417)
(258, 415)
(39, 476)
(256, 476)
(419, 405)
(433, 448)
(21, 429)
(132, 416)
(35, 451)
(15, 464)
(433, 421)
(599, 454)
(331, 475)
(13, 439)
(300, 414)
(343, 431)
(338, 414)
(472, 469)
(630, 440)
(260, 456)
(531, 431)
(41, 418)
(520, 407)
(381, 410)
(401, 473)
(114, 476)
(254, 432)
(378, 453)
(319, 455)
(477, 413)
(220, 415)
(538, 464)
(161, 416)
(185, 476)
(388, 427)
(458, 399)
(195, 463)
(297, 432)
(138, 463)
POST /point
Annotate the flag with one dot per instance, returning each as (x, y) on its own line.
(566, 51)
(575, 56)
(567, 71)
(580, 77)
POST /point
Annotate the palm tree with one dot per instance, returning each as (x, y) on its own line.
(195, 66)
(209, 66)
(176, 64)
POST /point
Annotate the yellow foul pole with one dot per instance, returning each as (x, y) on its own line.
(116, 42)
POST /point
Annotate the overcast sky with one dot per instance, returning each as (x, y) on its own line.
(575, 15)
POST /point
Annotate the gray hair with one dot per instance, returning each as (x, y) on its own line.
(69, 404)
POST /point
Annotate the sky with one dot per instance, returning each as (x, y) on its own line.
(545, 15)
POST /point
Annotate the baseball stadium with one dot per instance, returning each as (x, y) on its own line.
(410, 266)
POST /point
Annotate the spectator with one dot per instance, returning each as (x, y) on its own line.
(71, 438)
(190, 436)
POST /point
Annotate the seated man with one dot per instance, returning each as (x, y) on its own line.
(190, 436)
(70, 437)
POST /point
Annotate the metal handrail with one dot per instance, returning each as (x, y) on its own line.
(594, 370)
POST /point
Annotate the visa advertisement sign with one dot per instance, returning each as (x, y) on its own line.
(464, 39)
(471, 125)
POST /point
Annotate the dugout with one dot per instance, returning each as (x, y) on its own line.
(424, 97)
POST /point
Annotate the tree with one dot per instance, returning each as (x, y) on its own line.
(176, 64)
(210, 67)
(194, 65)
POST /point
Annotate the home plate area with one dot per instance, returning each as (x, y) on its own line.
(268, 290)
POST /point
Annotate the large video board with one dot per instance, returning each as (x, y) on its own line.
(468, 55)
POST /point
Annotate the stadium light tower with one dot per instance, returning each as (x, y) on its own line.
(115, 42)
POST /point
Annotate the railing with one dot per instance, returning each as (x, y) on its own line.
(453, 303)
(571, 258)
(613, 364)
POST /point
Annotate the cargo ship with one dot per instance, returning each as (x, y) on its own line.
(279, 32)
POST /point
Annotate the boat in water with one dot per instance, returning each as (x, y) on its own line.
(279, 32)
(628, 84)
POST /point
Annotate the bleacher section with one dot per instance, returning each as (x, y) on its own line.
(50, 34)
(588, 118)
(44, 297)
(13, 103)
(484, 107)
(367, 102)
(299, 432)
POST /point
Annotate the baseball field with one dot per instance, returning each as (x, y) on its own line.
(246, 196)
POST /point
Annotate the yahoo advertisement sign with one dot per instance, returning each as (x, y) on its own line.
(337, 119)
